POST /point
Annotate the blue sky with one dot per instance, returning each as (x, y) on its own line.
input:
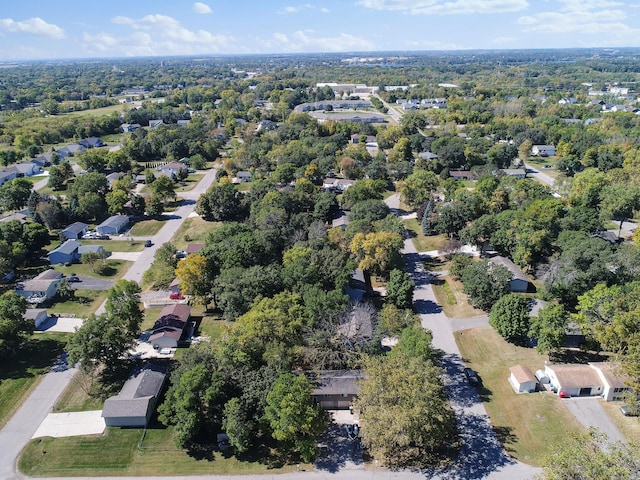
(41, 29)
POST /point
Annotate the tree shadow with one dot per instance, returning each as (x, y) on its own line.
(424, 307)
(336, 449)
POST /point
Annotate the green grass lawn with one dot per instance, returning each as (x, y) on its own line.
(422, 242)
(450, 296)
(146, 228)
(190, 182)
(113, 270)
(116, 245)
(150, 317)
(85, 303)
(98, 112)
(192, 230)
(116, 452)
(528, 425)
(75, 398)
(19, 375)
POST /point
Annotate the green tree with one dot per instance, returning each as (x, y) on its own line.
(14, 328)
(393, 320)
(417, 188)
(91, 259)
(116, 200)
(164, 188)
(377, 252)
(296, 423)
(592, 458)
(15, 194)
(510, 318)
(485, 283)
(56, 178)
(548, 328)
(221, 202)
(404, 412)
(123, 302)
(154, 206)
(400, 289)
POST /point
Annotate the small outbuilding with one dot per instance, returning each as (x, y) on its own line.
(38, 315)
(75, 231)
(519, 281)
(522, 380)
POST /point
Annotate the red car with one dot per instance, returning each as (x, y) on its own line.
(564, 394)
(176, 296)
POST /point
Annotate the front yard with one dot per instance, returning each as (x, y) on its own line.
(146, 228)
(452, 299)
(84, 304)
(422, 242)
(116, 245)
(192, 230)
(529, 425)
(112, 269)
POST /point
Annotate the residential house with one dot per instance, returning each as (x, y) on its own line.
(194, 248)
(266, 125)
(574, 379)
(515, 172)
(75, 231)
(155, 123)
(339, 184)
(519, 282)
(40, 288)
(38, 315)
(113, 225)
(112, 177)
(70, 150)
(92, 142)
(460, 174)
(27, 169)
(335, 389)
(356, 138)
(71, 251)
(136, 402)
(183, 123)
(170, 326)
(543, 150)
(428, 156)
(6, 175)
(20, 217)
(613, 380)
(172, 169)
(522, 380)
(243, 176)
(567, 101)
(341, 221)
(129, 127)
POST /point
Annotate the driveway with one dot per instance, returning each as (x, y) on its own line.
(91, 283)
(128, 256)
(71, 424)
(590, 413)
(61, 324)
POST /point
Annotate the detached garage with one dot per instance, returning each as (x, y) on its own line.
(522, 380)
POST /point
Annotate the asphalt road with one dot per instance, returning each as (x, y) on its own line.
(590, 413)
(15, 435)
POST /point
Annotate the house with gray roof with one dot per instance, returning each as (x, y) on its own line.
(170, 326)
(38, 315)
(136, 402)
(75, 231)
(519, 281)
(113, 225)
(27, 169)
(92, 142)
(40, 288)
(71, 251)
(335, 389)
(70, 150)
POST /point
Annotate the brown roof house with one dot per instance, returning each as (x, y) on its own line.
(336, 389)
(170, 326)
(135, 403)
(520, 282)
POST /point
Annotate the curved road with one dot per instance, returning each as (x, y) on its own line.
(18, 431)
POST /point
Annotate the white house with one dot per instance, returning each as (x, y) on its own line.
(574, 379)
(515, 172)
(522, 380)
(40, 288)
(612, 379)
(543, 150)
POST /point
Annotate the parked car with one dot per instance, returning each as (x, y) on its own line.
(472, 376)
(103, 237)
(176, 296)
(73, 278)
(564, 394)
(629, 411)
(148, 243)
(181, 254)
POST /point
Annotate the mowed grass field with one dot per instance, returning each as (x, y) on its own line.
(127, 452)
(192, 230)
(422, 242)
(529, 425)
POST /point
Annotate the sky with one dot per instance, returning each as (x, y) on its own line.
(58, 29)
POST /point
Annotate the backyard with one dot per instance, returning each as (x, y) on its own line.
(529, 425)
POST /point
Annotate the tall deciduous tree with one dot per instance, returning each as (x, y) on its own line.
(548, 328)
(485, 283)
(400, 289)
(14, 328)
(404, 413)
(192, 275)
(510, 318)
(123, 302)
(377, 252)
(294, 420)
(417, 187)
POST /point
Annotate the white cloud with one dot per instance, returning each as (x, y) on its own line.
(34, 26)
(446, 7)
(305, 41)
(586, 17)
(297, 8)
(155, 35)
(325, 10)
(201, 8)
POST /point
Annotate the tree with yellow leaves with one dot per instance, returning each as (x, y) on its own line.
(191, 273)
(377, 252)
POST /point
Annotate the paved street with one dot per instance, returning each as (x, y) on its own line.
(15, 435)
